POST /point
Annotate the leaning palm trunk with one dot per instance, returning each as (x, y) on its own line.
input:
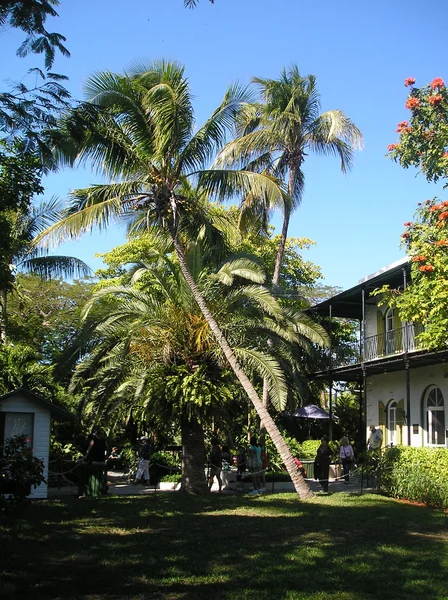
(193, 457)
(300, 485)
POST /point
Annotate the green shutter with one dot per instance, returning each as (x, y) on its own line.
(380, 327)
(382, 419)
(400, 422)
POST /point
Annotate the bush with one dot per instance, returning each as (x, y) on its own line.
(417, 474)
(20, 470)
(173, 477)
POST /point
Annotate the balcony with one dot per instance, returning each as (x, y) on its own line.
(383, 345)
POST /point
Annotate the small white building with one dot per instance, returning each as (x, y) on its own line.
(403, 386)
(22, 412)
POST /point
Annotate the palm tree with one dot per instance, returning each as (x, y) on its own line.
(277, 135)
(25, 257)
(139, 129)
(155, 333)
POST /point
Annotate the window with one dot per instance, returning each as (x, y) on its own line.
(19, 424)
(434, 408)
(389, 326)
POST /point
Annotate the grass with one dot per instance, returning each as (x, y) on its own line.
(169, 547)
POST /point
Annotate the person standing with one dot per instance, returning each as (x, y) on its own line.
(215, 465)
(254, 465)
(93, 475)
(322, 463)
(375, 440)
(347, 456)
(143, 464)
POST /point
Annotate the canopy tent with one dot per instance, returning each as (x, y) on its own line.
(311, 412)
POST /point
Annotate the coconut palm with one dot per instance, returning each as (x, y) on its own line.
(27, 258)
(139, 129)
(277, 135)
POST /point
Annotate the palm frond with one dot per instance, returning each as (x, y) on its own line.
(267, 368)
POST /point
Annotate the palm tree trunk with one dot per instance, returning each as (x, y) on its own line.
(300, 485)
(193, 457)
(2, 316)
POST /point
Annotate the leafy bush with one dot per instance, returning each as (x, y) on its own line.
(417, 474)
(172, 477)
(20, 470)
(308, 449)
(166, 459)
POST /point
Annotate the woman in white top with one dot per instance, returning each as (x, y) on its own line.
(347, 456)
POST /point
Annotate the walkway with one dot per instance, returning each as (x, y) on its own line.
(118, 485)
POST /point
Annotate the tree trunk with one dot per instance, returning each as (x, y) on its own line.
(2, 316)
(193, 457)
(300, 485)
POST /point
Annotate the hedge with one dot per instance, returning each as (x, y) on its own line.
(417, 474)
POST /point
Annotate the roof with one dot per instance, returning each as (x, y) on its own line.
(348, 304)
(57, 412)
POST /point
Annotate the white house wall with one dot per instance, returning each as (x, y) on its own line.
(41, 434)
(392, 386)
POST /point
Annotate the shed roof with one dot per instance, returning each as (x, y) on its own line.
(57, 412)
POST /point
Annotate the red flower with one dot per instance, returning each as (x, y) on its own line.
(443, 216)
(412, 102)
(435, 99)
(405, 235)
(441, 243)
(408, 224)
(392, 147)
(445, 155)
(409, 81)
(437, 83)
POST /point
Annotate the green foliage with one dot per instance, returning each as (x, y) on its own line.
(423, 140)
(166, 459)
(20, 470)
(425, 300)
(172, 477)
(46, 314)
(64, 450)
(305, 450)
(417, 474)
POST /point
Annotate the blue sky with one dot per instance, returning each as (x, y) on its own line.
(360, 53)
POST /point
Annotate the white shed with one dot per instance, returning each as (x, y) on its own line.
(24, 412)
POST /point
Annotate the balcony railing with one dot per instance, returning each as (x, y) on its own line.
(393, 342)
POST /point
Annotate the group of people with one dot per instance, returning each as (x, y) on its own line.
(93, 475)
(254, 460)
(346, 456)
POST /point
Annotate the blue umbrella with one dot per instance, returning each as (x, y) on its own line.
(311, 412)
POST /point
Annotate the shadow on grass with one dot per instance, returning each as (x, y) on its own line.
(170, 547)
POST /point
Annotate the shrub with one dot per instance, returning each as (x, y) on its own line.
(20, 470)
(172, 477)
(417, 474)
(308, 449)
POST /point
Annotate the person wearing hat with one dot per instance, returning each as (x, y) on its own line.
(143, 465)
(322, 463)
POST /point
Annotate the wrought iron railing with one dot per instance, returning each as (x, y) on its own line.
(390, 343)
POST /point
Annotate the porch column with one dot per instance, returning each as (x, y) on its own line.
(330, 372)
(408, 399)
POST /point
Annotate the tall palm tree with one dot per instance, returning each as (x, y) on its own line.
(27, 258)
(155, 333)
(139, 129)
(277, 135)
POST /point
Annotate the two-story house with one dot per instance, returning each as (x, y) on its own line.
(403, 388)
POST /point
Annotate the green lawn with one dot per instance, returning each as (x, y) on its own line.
(169, 547)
